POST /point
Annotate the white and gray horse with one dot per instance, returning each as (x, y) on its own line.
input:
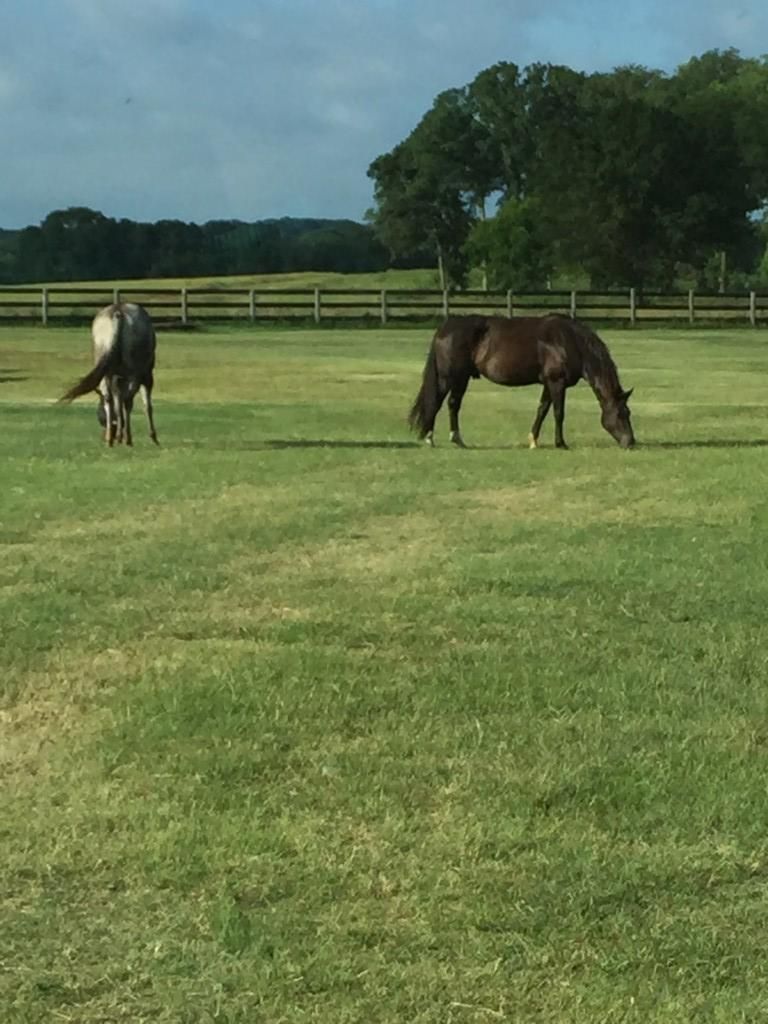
(124, 362)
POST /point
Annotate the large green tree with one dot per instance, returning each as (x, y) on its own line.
(512, 246)
(723, 98)
(630, 173)
(419, 207)
(431, 188)
(609, 172)
(497, 101)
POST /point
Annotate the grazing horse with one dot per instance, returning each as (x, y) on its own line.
(555, 351)
(124, 358)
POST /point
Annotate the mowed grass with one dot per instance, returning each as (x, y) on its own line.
(303, 722)
(393, 279)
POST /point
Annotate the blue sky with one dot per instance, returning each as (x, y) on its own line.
(267, 108)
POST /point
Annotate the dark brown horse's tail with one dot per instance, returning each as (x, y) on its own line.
(427, 404)
(91, 380)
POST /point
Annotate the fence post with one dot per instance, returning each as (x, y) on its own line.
(184, 305)
(573, 305)
(252, 304)
(510, 304)
(317, 306)
(384, 305)
(632, 306)
(446, 304)
(691, 307)
(753, 309)
(44, 307)
(116, 296)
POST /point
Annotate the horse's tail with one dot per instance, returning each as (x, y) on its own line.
(427, 404)
(106, 361)
(91, 380)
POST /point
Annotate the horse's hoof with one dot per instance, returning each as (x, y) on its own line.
(457, 440)
(429, 441)
(532, 442)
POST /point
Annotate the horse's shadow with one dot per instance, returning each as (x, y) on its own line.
(9, 375)
(282, 444)
(279, 443)
(705, 443)
(712, 443)
(286, 444)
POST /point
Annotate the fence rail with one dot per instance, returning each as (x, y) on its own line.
(185, 306)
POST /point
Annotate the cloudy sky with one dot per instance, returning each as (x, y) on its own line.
(198, 109)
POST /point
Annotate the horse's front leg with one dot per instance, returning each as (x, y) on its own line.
(557, 391)
(458, 389)
(544, 403)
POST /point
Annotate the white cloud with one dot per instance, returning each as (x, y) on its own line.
(277, 107)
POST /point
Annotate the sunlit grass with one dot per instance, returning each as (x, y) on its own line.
(304, 722)
(390, 278)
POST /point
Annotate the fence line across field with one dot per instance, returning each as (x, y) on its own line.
(61, 303)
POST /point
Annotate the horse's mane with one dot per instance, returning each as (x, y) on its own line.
(599, 367)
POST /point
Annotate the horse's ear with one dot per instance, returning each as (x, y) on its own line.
(627, 394)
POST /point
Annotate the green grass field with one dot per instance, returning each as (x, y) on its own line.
(424, 278)
(303, 722)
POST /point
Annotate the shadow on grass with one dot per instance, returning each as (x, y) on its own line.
(641, 445)
(277, 444)
(311, 443)
(283, 444)
(9, 375)
(707, 443)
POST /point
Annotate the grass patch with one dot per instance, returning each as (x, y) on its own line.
(303, 722)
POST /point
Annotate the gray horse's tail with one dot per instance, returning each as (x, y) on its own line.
(104, 364)
(91, 380)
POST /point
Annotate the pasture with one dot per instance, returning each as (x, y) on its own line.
(304, 722)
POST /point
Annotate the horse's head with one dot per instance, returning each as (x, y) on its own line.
(617, 421)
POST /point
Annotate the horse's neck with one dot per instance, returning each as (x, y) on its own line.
(604, 388)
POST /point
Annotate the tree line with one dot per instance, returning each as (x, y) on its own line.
(632, 177)
(80, 244)
(626, 178)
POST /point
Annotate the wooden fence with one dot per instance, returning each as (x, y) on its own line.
(188, 306)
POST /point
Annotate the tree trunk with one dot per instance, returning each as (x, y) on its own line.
(441, 267)
(484, 264)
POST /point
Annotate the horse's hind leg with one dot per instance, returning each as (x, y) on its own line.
(128, 402)
(109, 415)
(429, 423)
(146, 397)
(544, 403)
(455, 398)
(120, 412)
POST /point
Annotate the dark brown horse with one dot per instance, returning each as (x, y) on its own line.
(554, 351)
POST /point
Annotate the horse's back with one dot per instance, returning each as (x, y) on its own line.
(508, 353)
(130, 326)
